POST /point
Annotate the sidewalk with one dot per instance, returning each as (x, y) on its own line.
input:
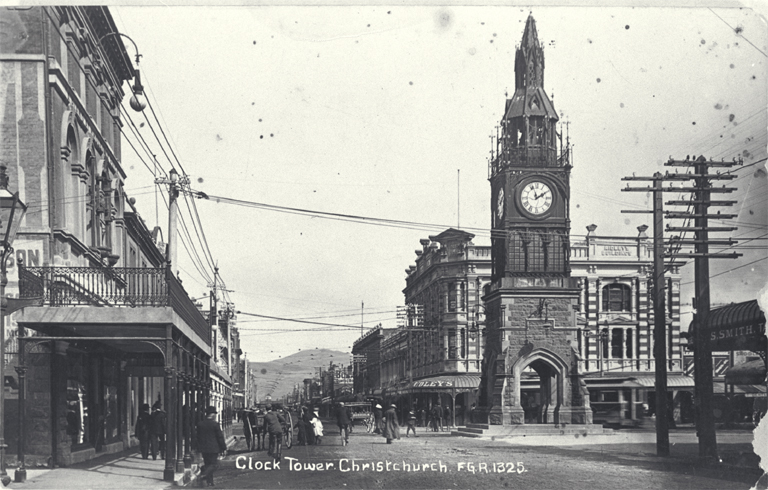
(121, 470)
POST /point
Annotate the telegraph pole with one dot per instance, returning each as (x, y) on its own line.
(701, 190)
(659, 312)
(703, 371)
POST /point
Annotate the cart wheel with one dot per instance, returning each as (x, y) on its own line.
(288, 433)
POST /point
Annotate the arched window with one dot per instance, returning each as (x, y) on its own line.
(616, 297)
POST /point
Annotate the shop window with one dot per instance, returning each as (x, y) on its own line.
(110, 421)
(78, 403)
(616, 297)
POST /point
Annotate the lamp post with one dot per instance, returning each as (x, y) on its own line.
(601, 336)
(138, 102)
(12, 211)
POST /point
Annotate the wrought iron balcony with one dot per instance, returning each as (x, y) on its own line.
(111, 287)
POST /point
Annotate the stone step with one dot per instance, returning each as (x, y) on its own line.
(532, 430)
(462, 433)
(478, 426)
(471, 430)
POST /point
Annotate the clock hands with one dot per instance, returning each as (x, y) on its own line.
(537, 196)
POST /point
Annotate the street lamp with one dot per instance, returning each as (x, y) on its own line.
(601, 336)
(12, 212)
(138, 102)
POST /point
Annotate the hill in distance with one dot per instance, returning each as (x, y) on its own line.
(278, 377)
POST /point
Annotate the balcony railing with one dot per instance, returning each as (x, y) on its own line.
(111, 287)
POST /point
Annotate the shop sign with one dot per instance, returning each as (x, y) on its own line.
(614, 250)
(732, 338)
(432, 384)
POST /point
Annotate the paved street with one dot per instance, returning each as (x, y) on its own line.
(438, 460)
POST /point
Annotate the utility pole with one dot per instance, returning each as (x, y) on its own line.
(703, 372)
(175, 184)
(659, 313)
(703, 360)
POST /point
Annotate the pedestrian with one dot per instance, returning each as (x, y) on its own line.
(247, 430)
(472, 413)
(143, 424)
(377, 417)
(309, 431)
(273, 426)
(422, 417)
(317, 426)
(411, 423)
(342, 420)
(157, 430)
(437, 418)
(391, 428)
(301, 426)
(210, 443)
(447, 419)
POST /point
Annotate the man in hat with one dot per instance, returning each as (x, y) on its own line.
(143, 423)
(391, 427)
(343, 421)
(210, 442)
(157, 430)
(411, 422)
(273, 425)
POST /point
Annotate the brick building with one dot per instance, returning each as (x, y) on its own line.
(116, 328)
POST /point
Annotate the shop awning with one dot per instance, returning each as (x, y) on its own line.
(746, 390)
(456, 382)
(738, 326)
(629, 380)
(748, 373)
(674, 381)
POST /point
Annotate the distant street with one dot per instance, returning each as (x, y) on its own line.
(438, 460)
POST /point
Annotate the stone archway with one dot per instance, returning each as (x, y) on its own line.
(553, 375)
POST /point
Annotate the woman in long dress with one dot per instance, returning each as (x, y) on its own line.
(391, 427)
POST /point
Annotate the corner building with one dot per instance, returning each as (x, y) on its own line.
(112, 328)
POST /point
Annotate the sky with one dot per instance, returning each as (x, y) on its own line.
(387, 112)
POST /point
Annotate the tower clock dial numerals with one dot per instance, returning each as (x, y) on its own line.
(536, 197)
(500, 205)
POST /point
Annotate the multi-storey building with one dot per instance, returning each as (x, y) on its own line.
(436, 355)
(616, 324)
(115, 328)
(614, 312)
(366, 356)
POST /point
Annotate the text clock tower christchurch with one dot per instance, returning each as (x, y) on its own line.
(530, 306)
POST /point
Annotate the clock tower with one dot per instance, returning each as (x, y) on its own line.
(530, 306)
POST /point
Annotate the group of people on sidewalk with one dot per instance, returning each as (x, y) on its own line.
(150, 430)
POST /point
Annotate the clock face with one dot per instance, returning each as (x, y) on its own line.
(536, 197)
(499, 205)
